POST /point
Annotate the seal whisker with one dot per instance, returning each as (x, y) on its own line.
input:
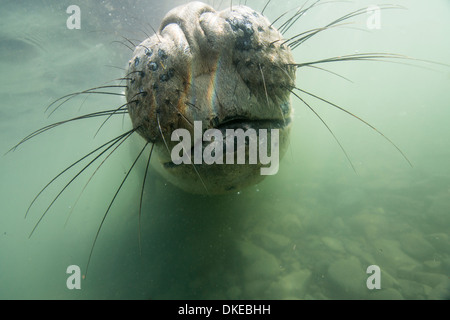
(279, 17)
(267, 3)
(307, 34)
(94, 92)
(76, 94)
(329, 71)
(191, 105)
(267, 95)
(113, 113)
(124, 44)
(90, 178)
(168, 150)
(336, 22)
(111, 203)
(377, 57)
(162, 134)
(292, 20)
(71, 95)
(384, 57)
(122, 137)
(193, 165)
(156, 33)
(265, 88)
(181, 114)
(129, 41)
(72, 165)
(328, 128)
(358, 118)
(56, 124)
(115, 67)
(142, 195)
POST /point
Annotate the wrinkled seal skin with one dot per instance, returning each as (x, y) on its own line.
(228, 69)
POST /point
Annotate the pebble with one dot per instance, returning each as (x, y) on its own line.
(390, 254)
(433, 264)
(271, 241)
(439, 209)
(333, 244)
(441, 291)
(385, 294)
(258, 263)
(412, 289)
(416, 246)
(372, 224)
(292, 285)
(440, 241)
(349, 278)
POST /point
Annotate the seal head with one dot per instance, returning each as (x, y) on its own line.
(228, 69)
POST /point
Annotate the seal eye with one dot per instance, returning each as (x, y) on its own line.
(136, 61)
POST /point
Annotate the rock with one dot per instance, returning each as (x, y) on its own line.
(441, 291)
(291, 285)
(438, 211)
(359, 248)
(256, 289)
(372, 224)
(385, 294)
(271, 241)
(446, 263)
(349, 278)
(411, 289)
(440, 241)
(430, 279)
(387, 280)
(289, 223)
(433, 264)
(416, 246)
(234, 293)
(333, 244)
(390, 254)
(257, 263)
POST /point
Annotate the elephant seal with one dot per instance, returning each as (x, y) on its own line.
(224, 70)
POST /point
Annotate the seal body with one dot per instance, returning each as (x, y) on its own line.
(227, 69)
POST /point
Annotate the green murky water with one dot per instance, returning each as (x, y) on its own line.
(310, 232)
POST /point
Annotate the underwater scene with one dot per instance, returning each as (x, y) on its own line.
(358, 209)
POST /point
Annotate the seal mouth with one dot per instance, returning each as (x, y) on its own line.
(245, 123)
(235, 123)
